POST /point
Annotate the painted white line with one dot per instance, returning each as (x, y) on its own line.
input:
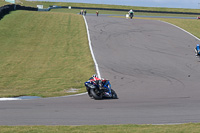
(80, 94)
(181, 29)
(13, 99)
(91, 50)
(9, 99)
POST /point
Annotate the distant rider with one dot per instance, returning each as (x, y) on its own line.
(131, 13)
(197, 50)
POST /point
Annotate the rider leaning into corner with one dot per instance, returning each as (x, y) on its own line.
(101, 82)
(197, 50)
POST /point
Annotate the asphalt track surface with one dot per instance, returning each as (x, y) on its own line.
(150, 64)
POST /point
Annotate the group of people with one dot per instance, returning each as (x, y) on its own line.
(83, 12)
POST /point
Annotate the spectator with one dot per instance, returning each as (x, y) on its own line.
(85, 12)
(97, 12)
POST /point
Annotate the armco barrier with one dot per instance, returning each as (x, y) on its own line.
(4, 10)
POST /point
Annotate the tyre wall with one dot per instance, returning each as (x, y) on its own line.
(4, 10)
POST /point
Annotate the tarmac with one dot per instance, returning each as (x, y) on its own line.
(151, 66)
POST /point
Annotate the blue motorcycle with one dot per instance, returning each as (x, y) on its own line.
(100, 89)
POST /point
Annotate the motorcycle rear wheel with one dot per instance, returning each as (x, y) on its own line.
(96, 94)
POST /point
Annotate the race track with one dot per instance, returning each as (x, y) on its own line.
(151, 66)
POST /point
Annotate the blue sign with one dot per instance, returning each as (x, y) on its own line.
(11, 1)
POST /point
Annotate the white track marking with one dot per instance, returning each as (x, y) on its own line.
(13, 99)
(181, 29)
(9, 99)
(91, 50)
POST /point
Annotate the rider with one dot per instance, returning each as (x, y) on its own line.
(94, 78)
(101, 82)
(197, 50)
(131, 12)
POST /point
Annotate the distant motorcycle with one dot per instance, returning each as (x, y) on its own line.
(99, 89)
(131, 15)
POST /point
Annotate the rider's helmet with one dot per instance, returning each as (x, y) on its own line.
(197, 47)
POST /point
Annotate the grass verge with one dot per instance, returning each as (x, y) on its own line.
(2, 3)
(181, 128)
(43, 54)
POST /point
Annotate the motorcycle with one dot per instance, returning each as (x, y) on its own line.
(131, 15)
(99, 90)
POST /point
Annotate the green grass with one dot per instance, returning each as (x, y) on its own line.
(2, 3)
(182, 128)
(43, 54)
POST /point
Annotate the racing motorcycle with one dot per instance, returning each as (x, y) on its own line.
(99, 89)
(131, 15)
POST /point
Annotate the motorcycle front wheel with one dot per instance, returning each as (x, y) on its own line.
(97, 95)
(114, 94)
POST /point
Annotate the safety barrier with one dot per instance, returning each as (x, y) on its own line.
(4, 10)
